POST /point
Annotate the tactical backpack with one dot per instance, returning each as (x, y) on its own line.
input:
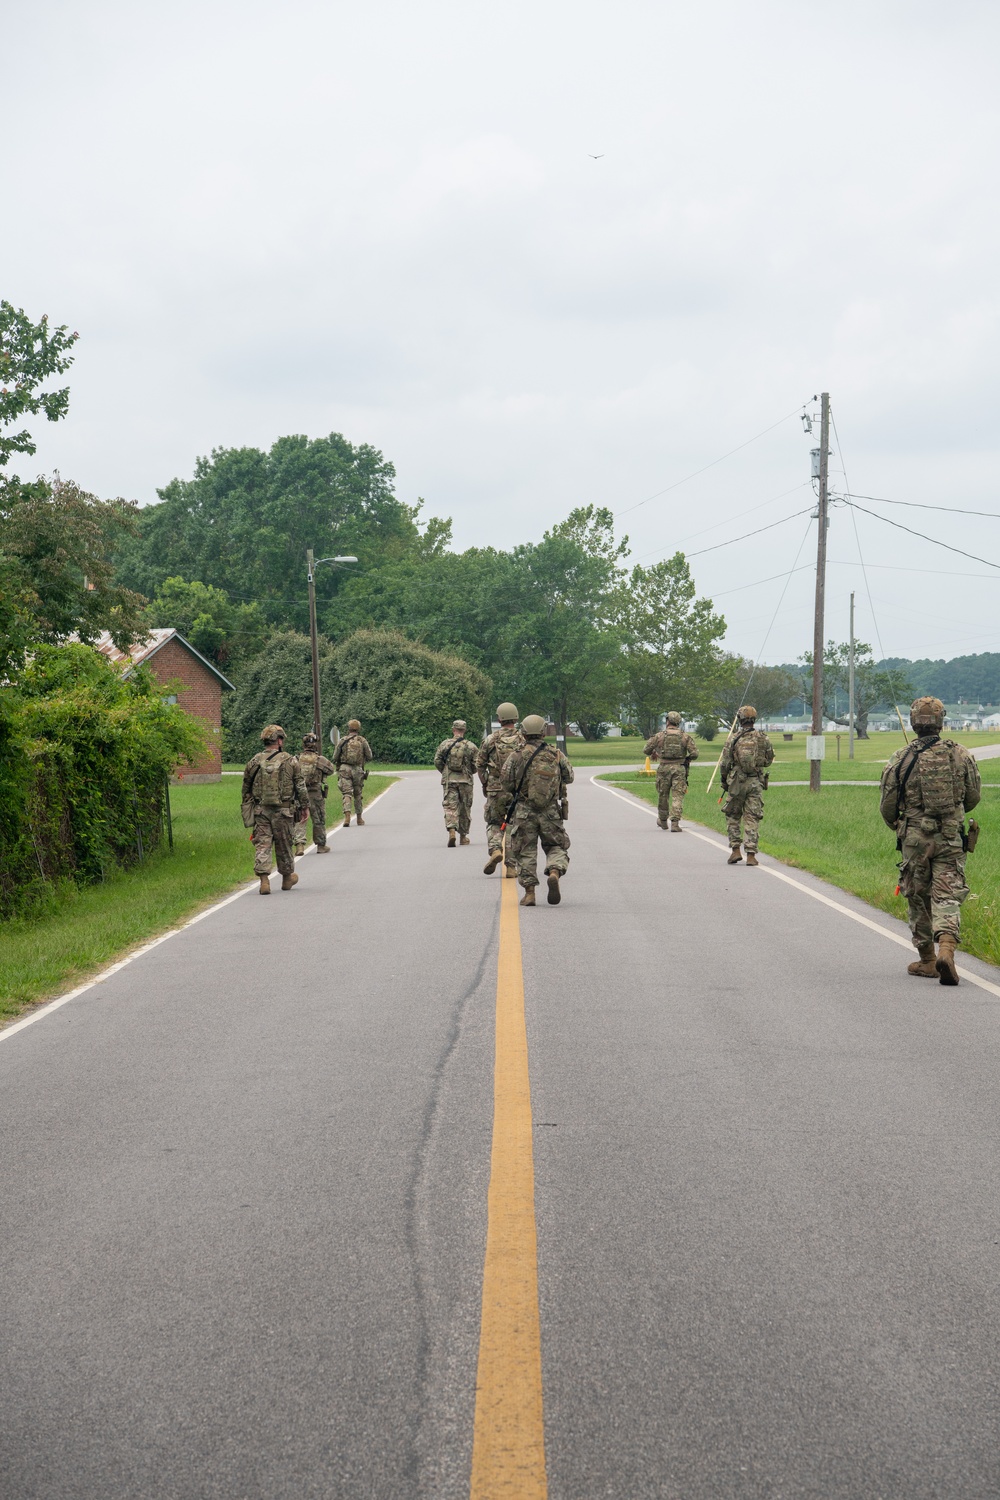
(935, 771)
(455, 760)
(506, 742)
(272, 781)
(746, 753)
(543, 782)
(672, 746)
(310, 770)
(352, 751)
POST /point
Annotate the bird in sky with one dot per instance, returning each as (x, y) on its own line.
(593, 157)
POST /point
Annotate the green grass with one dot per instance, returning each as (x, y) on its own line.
(90, 927)
(839, 836)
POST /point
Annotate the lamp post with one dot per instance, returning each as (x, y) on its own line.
(311, 565)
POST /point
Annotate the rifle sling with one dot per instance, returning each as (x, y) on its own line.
(520, 784)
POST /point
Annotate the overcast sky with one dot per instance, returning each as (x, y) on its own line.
(385, 220)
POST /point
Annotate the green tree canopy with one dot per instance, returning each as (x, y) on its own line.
(244, 521)
(672, 655)
(872, 684)
(226, 633)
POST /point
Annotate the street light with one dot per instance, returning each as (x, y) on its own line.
(311, 565)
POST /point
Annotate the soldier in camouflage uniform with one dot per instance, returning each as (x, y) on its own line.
(748, 753)
(674, 748)
(274, 796)
(350, 758)
(456, 760)
(539, 775)
(315, 768)
(490, 761)
(927, 788)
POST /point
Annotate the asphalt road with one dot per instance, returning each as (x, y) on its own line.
(245, 1177)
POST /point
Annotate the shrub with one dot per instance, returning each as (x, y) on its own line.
(85, 754)
(707, 728)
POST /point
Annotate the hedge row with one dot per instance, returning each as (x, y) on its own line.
(405, 694)
(84, 758)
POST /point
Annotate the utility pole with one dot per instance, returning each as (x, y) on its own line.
(816, 745)
(850, 687)
(311, 574)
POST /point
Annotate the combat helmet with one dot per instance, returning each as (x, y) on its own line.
(507, 713)
(272, 732)
(310, 738)
(747, 712)
(533, 726)
(354, 724)
(928, 713)
(458, 724)
(674, 719)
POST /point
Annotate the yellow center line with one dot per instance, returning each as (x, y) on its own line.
(508, 1445)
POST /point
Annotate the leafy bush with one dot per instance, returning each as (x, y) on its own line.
(707, 728)
(405, 694)
(84, 755)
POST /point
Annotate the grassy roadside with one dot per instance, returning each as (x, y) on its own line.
(789, 756)
(839, 836)
(92, 927)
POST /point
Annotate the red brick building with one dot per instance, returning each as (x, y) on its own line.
(196, 684)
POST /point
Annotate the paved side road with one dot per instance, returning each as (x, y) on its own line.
(244, 1195)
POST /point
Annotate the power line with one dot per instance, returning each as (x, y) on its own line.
(842, 562)
(759, 581)
(923, 536)
(951, 510)
(740, 514)
(688, 477)
(702, 550)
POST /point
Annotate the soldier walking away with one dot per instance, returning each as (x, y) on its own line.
(927, 789)
(675, 749)
(274, 796)
(536, 778)
(315, 769)
(456, 760)
(745, 759)
(350, 758)
(492, 757)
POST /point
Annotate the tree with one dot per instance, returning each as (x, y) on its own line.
(767, 688)
(56, 541)
(244, 521)
(560, 641)
(226, 633)
(672, 657)
(872, 685)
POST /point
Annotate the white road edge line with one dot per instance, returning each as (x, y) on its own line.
(81, 989)
(894, 937)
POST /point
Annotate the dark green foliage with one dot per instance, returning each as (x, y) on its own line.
(29, 354)
(226, 633)
(245, 520)
(85, 754)
(965, 679)
(405, 694)
(707, 728)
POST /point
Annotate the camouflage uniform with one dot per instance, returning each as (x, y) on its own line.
(455, 758)
(314, 768)
(350, 757)
(745, 758)
(540, 811)
(490, 761)
(926, 790)
(273, 823)
(674, 749)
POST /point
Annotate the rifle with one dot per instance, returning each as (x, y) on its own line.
(517, 790)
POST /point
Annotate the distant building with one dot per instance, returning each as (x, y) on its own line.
(200, 685)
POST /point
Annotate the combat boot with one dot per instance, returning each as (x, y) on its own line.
(528, 899)
(360, 821)
(492, 862)
(926, 964)
(451, 838)
(675, 826)
(347, 820)
(751, 857)
(734, 855)
(947, 973)
(322, 848)
(510, 871)
(465, 839)
(287, 881)
(554, 897)
(265, 886)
